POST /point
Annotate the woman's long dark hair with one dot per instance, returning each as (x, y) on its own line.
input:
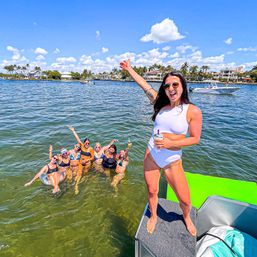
(163, 100)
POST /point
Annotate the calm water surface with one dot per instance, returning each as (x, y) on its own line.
(99, 221)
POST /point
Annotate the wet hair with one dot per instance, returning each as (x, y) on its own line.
(86, 139)
(114, 147)
(163, 100)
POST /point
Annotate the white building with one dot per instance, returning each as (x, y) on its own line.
(230, 74)
(66, 75)
(154, 75)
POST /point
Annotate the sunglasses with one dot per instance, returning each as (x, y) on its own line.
(55, 158)
(78, 147)
(97, 147)
(87, 143)
(174, 85)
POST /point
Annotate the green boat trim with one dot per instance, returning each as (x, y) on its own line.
(203, 186)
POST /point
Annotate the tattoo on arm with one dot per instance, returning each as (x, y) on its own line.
(150, 96)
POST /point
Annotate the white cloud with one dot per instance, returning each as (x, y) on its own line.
(35, 23)
(175, 55)
(11, 49)
(166, 48)
(65, 67)
(214, 59)
(40, 50)
(105, 50)
(247, 49)
(150, 57)
(196, 57)
(63, 60)
(228, 41)
(98, 34)
(183, 48)
(163, 32)
(86, 60)
(249, 64)
(40, 57)
(229, 52)
(57, 51)
(16, 54)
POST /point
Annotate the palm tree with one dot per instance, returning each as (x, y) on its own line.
(184, 69)
(193, 72)
(9, 68)
(205, 68)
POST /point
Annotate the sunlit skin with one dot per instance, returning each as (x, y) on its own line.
(109, 153)
(74, 164)
(65, 158)
(120, 169)
(85, 161)
(173, 172)
(54, 178)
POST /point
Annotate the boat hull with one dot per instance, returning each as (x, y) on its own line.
(216, 91)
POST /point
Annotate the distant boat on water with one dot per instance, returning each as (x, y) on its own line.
(88, 82)
(213, 88)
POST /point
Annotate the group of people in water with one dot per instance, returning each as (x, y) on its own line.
(72, 164)
(177, 124)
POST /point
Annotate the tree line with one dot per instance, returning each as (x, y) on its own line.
(191, 73)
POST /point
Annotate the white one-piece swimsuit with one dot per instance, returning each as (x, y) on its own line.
(173, 121)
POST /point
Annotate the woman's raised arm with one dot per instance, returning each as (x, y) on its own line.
(149, 91)
(104, 148)
(75, 134)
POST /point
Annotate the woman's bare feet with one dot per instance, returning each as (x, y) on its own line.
(151, 223)
(190, 226)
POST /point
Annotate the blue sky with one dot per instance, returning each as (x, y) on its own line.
(73, 35)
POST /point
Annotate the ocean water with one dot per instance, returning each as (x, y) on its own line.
(99, 221)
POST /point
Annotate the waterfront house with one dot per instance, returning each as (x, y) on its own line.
(66, 75)
(154, 75)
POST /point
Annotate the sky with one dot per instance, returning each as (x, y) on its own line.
(97, 35)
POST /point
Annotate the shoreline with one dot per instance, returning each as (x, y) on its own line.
(119, 80)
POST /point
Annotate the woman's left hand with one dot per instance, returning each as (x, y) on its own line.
(164, 143)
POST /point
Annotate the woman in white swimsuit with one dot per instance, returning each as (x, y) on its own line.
(174, 116)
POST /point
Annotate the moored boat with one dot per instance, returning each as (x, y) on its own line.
(88, 82)
(213, 88)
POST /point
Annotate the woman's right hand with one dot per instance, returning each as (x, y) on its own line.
(125, 65)
(50, 148)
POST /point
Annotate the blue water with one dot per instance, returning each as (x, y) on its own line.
(99, 221)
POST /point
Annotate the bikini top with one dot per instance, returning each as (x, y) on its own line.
(49, 170)
(63, 164)
(110, 163)
(172, 120)
(97, 158)
(73, 157)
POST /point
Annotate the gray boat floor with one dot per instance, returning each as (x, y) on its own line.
(170, 237)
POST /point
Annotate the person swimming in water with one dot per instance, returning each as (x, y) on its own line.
(109, 159)
(86, 158)
(122, 163)
(63, 161)
(49, 175)
(74, 160)
(174, 118)
(99, 154)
